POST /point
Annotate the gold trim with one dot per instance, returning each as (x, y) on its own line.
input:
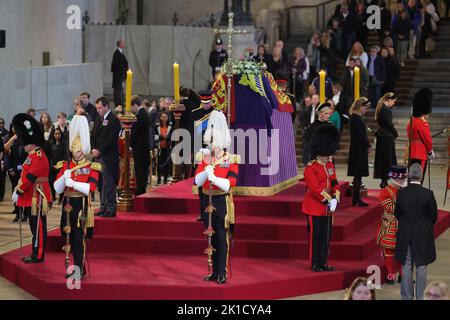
(214, 192)
(337, 194)
(261, 191)
(325, 196)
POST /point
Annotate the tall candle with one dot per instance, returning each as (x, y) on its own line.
(322, 75)
(357, 79)
(128, 91)
(176, 81)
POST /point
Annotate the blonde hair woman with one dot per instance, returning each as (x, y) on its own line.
(359, 290)
(385, 155)
(437, 290)
(358, 52)
(358, 156)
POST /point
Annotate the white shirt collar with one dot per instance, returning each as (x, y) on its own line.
(121, 50)
(104, 117)
(416, 182)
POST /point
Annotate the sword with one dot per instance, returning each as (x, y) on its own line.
(36, 242)
(210, 231)
(429, 174)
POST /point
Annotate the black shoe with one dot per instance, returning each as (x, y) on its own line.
(359, 203)
(199, 219)
(100, 212)
(211, 277)
(16, 219)
(108, 214)
(32, 260)
(399, 280)
(221, 279)
(316, 268)
(326, 267)
(68, 275)
(25, 219)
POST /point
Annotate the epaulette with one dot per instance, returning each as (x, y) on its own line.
(96, 166)
(60, 164)
(235, 158)
(311, 162)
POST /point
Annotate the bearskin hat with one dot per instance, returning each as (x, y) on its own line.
(28, 130)
(422, 102)
(324, 141)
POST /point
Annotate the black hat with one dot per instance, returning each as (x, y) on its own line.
(422, 102)
(28, 130)
(322, 106)
(219, 41)
(324, 141)
(397, 172)
(205, 96)
(281, 78)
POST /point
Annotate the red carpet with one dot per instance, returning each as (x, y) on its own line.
(156, 252)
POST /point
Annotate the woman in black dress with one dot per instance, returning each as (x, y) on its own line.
(358, 157)
(390, 71)
(386, 134)
(59, 153)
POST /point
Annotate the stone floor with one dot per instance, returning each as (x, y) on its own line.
(440, 270)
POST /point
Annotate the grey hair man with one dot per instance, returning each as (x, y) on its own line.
(416, 212)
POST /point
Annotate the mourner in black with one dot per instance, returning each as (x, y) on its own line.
(3, 136)
(119, 67)
(105, 150)
(217, 57)
(140, 143)
(385, 155)
(358, 157)
(323, 112)
(416, 212)
(88, 107)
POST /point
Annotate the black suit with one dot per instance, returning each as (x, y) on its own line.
(416, 212)
(119, 67)
(91, 111)
(3, 137)
(140, 142)
(105, 137)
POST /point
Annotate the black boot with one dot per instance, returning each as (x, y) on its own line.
(357, 202)
(221, 279)
(326, 267)
(212, 277)
(316, 268)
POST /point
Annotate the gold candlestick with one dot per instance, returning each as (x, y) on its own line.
(177, 109)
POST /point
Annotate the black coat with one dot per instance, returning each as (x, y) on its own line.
(386, 127)
(105, 137)
(59, 152)
(217, 58)
(416, 212)
(92, 111)
(358, 158)
(140, 138)
(119, 68)
(392, 71)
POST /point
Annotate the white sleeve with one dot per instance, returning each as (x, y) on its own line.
(82, 187)
(222, 183)
(200, 178)
(60, 184)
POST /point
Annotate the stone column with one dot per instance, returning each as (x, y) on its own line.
(224, 19)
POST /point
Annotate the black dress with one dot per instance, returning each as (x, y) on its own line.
(385, 148)
(358, 159)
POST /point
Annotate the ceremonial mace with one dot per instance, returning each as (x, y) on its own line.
(67, 210)
(210, 210)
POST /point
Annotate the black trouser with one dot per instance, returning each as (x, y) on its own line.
(141, 170)
(38, 227)
(319, 228)
(219, 239)
(357, 181)
(118, 95)
(14, 181)
(164, 163)
(2, 184)
(77, 238)
(108, 194)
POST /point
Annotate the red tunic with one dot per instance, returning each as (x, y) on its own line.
(82, 171)
(421, 141)
(34, 169)
(322, 185)
(387, 231)
(224, 167)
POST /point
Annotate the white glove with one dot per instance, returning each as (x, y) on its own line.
(67, 174)
(332, 205)
(209, 170)
(211, 175)
(15, 197)
(69, 182)
(431, 155)
(205, 151)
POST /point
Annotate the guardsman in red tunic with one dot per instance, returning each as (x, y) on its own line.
(387, 231)
(32, 194)
(216, 179)
(77, 180)
(421, 142)
(322, 195)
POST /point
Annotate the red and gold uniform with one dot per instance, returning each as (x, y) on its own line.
(421, 141)
(35, 197)
(81, 215)
(387, 231)
(223, 219)
(323, 186)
